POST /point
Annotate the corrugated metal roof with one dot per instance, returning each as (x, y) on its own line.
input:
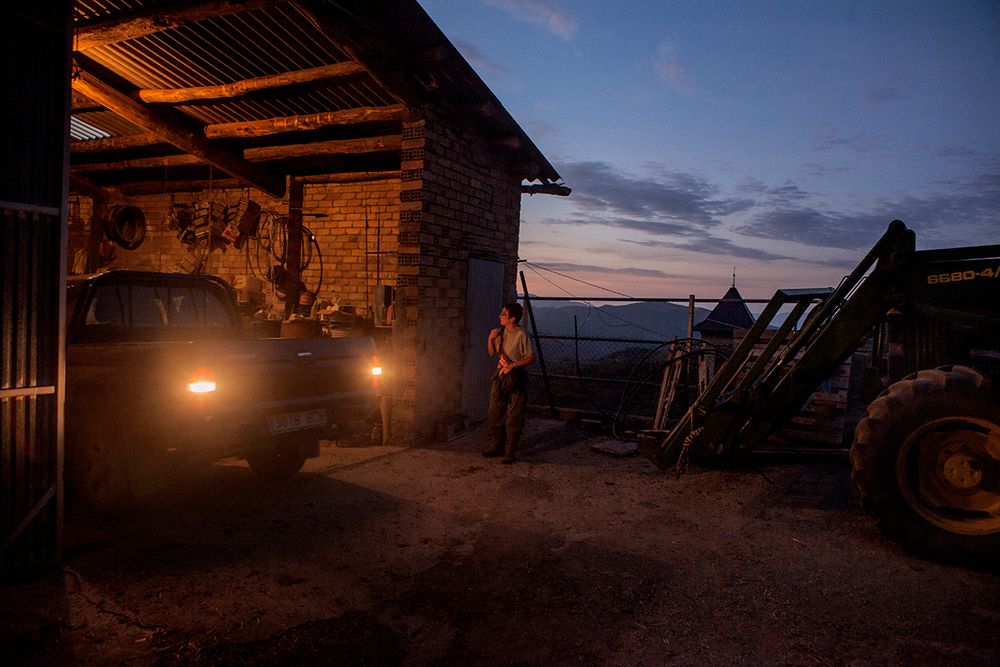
(100, 125)
(80, 130)
(88, 11)
(170, 52)
(221, 49)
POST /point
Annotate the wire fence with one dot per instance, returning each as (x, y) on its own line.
(643, 370)
(616, 380)
(619, 380)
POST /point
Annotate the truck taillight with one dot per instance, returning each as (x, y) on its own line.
(202, 381)
(376, 373)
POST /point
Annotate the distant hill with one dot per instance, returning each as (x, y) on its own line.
(643, 320)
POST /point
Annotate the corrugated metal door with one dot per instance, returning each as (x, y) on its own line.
(34, 117)
(484, 299)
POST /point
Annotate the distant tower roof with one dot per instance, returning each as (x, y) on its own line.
(729, 314)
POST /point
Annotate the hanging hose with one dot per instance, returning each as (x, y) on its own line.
(269, 250)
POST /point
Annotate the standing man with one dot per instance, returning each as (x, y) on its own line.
(509, 387)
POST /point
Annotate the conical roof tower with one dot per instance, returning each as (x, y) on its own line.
(728, 315)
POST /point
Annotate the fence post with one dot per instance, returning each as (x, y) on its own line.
(690, 361)
(690, 316)
(538, 347)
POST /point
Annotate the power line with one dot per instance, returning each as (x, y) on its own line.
(600, 314)
(606, 289)
(558, 287)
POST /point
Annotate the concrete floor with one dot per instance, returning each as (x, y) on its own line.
(438, 556)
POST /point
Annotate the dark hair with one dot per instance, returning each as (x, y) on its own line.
(515, 311)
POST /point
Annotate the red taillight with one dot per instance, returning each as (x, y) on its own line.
(376, 373)
(202, 381)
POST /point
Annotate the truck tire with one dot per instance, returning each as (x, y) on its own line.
(275, 464)
(926, 462)
(98, 470)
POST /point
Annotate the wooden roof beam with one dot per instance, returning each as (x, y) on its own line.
(239, 88)
(187, 140)
(198, 185)
(546, 189)
(81, 104)
(163, 16)
(262, 154)
(84, 185)
(115, 143)
(336, 147)
(255, 128)
(182, 160)
(260, 128)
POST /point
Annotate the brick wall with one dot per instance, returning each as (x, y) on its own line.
(355, 224)
(458, 200)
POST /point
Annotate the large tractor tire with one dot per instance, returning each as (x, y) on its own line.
(926, 461)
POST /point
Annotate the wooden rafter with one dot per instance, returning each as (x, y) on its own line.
(186, 185)
(195, 185)
(262, 154)
(546, 189)
(181, 160)
(254, 128)
(336, 147)
(116, 143)
(350, 177)
(174, 133)
(157, 18)
(238, 88)
(83, 184)
(260, 128)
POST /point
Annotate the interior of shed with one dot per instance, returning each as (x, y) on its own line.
(262, 142)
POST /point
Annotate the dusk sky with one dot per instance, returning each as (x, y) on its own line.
(779, 138)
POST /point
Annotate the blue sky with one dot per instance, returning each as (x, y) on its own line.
(776, 138)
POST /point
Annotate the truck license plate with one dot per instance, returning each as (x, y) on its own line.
(296, 421)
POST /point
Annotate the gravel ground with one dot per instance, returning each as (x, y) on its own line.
(437, 556)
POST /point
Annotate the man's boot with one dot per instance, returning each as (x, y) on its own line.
(511, 446)
(499, 434)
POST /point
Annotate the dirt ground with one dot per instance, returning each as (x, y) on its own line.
(438, 556)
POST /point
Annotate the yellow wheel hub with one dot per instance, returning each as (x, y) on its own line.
(962, 471)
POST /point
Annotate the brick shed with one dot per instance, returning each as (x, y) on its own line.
(382, 163)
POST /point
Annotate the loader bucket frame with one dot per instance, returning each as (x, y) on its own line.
(752, 396)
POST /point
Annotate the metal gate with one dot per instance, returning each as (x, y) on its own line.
(34, 117)
(484, 299)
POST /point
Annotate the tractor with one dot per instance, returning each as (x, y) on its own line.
(925, 455)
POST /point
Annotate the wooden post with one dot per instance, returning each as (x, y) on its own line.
(538, 348)
(293, 245)
(98, 214)
(692, 392)
(690, 316)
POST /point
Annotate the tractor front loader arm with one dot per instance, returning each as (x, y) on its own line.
(751, 396)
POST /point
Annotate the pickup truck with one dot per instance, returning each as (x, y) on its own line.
(160, 376)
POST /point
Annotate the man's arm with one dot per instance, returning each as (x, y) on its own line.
(493, 342)
(526, 360)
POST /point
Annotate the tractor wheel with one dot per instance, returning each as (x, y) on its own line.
(274, 464)
(926, 461)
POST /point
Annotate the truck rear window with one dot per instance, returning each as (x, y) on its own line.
(149, 312)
